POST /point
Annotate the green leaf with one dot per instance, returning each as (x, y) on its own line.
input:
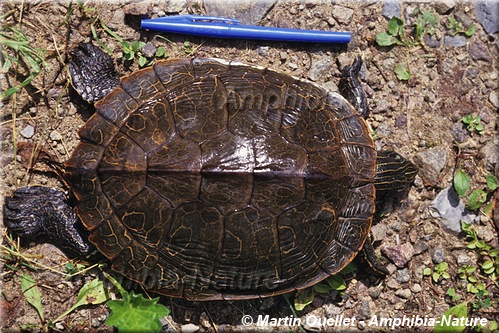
(142, 61)
(32, 294)
(336, 282)
(476, 199)
(492, 182)
(384, 39)
(134, 313)
(92, 292)
(402, 72)
(427, 271)
(435, 276)
(303, 298)
(458, 311)
(395, 26)
(471, 30)
(461, 182)
(322, 288)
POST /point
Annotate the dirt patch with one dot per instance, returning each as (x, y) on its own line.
(451, 76)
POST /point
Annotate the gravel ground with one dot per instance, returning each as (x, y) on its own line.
(451, 77)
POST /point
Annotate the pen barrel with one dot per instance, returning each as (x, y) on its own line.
(239, 31)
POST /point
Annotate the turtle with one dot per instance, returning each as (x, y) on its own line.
(209, 179)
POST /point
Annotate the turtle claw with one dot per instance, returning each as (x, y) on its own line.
(38, 211)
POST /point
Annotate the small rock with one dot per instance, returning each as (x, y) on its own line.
(491, 152)
(175, 6)
(431, 162)
(137, 9)
(28, 132)
(292, 65)
(494, 98)
(374, 292)
(403, 275)
(117, 20)
(55, 136)
(189, 328)
(364, 310)
(450, 210)
(343, 60)
(149, 50)
(420, 246)
(459, 133)
(455, 41)
(444, 6)
(431, 41)
(438, 255)
(342, 14)
(391, 8)
(463, 260)
(401, 121)
(486, 13)
(320, 68)
(399, 254)
(248, 12)
(378, 231)
(479, 51)
(262, 50)
(416, 288)
(404, 293)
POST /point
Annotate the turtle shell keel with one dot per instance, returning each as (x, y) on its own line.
(208, 179)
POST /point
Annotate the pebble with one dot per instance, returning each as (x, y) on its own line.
(263, 50)
(399, 254)
(320, 68)
(431, 162)
(28, 132)
(391, 8)
(450, 211)
(405, 293)
(403, 275)
(342, 14)
(444, 6)
(491, 152)
(189, 328)
(486, 13)
(248, 12)
(479, 51)
(459, 133)
(149, 50)
(137, 9)
(374, 292)
(416, 288)
(420, 246)
(463, 260)
(364, 310)
(455, 41)
(438, 255)
(494, 99)
(55, 136)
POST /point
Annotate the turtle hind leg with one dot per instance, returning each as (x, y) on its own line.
(351, 89)
(43, 212)
(93, 74)
(372, 260)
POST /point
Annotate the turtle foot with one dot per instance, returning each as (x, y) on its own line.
(38, 211)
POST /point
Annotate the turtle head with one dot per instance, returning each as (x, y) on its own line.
(38, 211)
(93, 74)
(393, 179)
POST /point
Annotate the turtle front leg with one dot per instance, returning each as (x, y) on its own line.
(38, 211)
(351, 88)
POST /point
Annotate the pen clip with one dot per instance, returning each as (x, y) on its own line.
(197, 19)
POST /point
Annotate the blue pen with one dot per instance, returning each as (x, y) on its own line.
(219, 27)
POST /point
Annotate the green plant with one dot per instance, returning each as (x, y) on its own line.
(473, 123)
(17, 51)
(456, 27)
(134, 49)
(134, 313)
(439, 270)
(336, 282)
(462, 185)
